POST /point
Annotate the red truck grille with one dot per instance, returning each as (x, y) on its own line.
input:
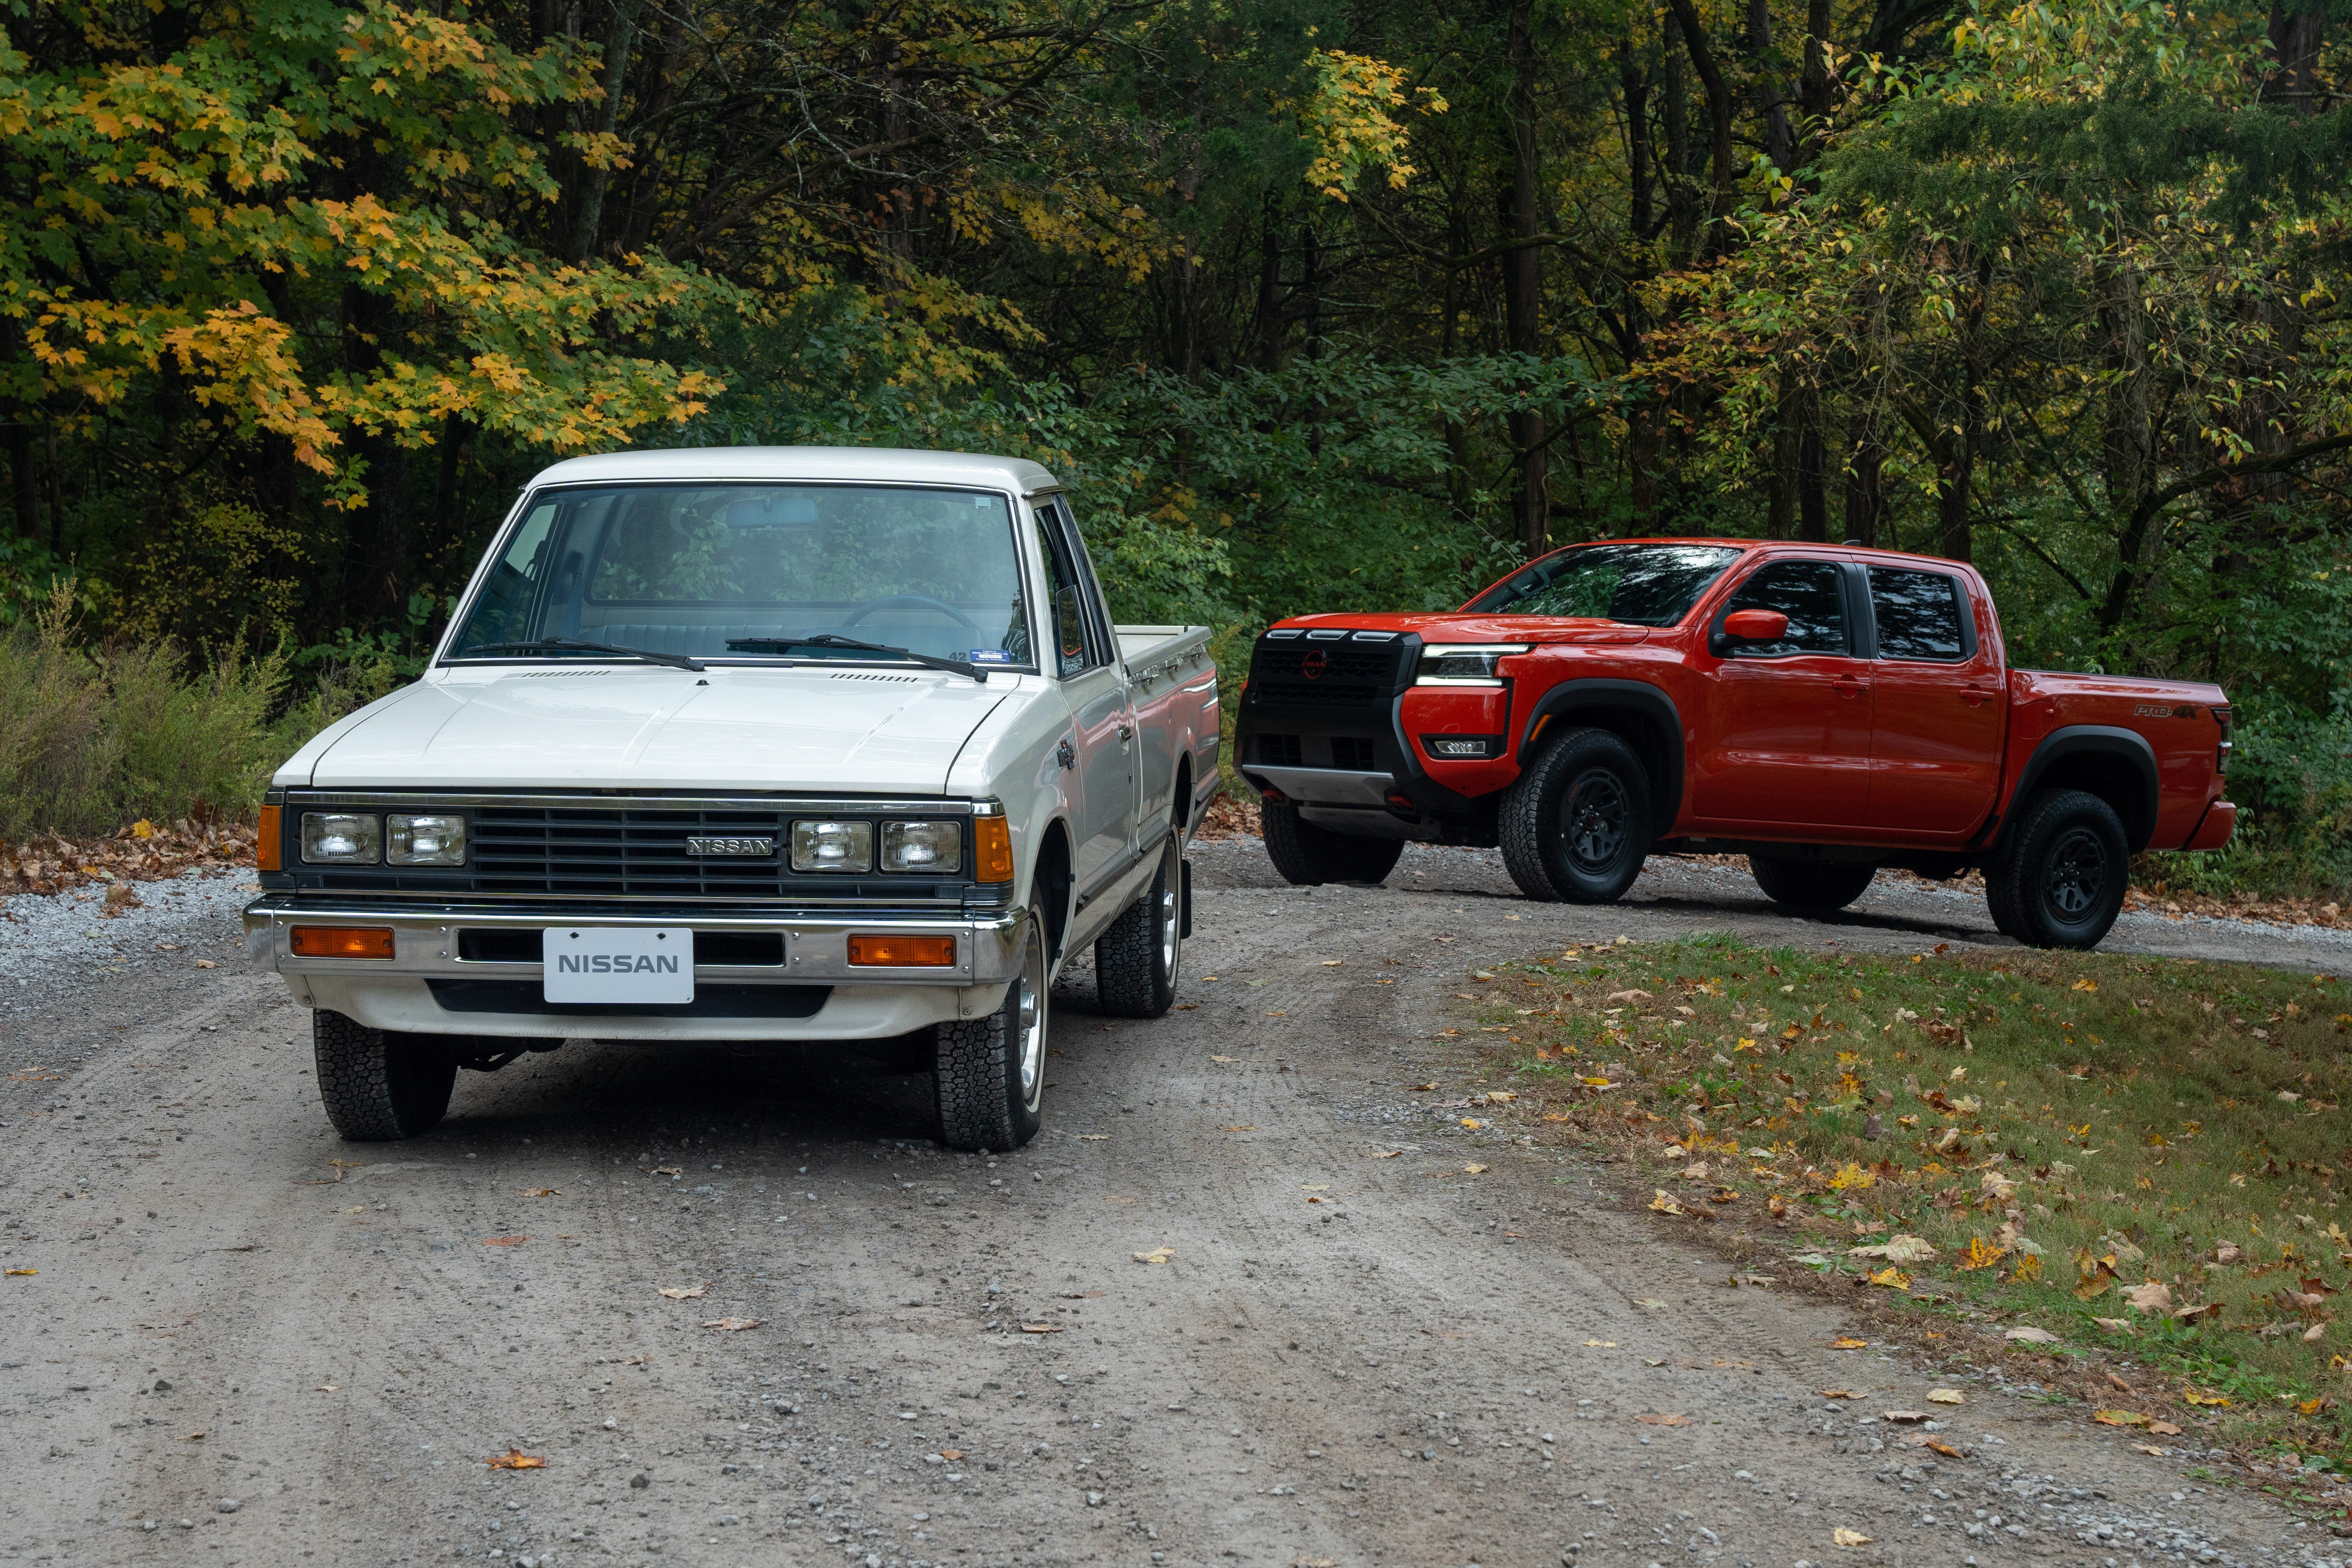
(1327, 674)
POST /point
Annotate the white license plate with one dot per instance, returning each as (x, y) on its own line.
(618, 964)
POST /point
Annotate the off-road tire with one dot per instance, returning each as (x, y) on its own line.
(379, 1087)
(1999, 902)
(1136, 960)
(1309, 855)
(990, 1073)
(1817, 885)
(2064, 874)
(1575, 823)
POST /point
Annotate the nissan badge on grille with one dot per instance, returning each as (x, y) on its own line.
(740, 848)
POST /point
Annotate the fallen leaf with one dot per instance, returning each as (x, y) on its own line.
(2316, 1330)
(2155, 1296)
(2032, 1336)
(1242, 1127)
(1473, 1169)
(1423, 1087)
(1946, 1396)
(1847, 1344)
(1662, 1420)
(1903, 1418)
(544, 1193)
(1892, 1278)
(731, 1325)
(1939, 1445)
(1695, 1173)
(206, 964)
(1844, 1537)
(2120, 1417)
(1602, 1344)
(21, 1273)
(1333, 963)
(2164, 1428)
(1094, 1137)
(685, 1292)
(1895, 1249)
(1156, 1255)
(2149, 1448)
(2202, 1397)
(504, 1240)
(951, 1455)
(2115, 1325)
(1041, 1328)
(516, 1459)
(1839, 1393)
(1664, 1203)
(1384, 1153)
(666, 1171)
(1650, 1302)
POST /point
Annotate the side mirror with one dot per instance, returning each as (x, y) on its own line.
(1071, 624)
(1755, 625)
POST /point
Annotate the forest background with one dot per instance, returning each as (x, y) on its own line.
(1323, 304)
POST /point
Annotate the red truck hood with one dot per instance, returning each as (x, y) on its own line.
(1448, 626)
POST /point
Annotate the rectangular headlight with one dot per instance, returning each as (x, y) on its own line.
(425, 840)
(832, 845)
(932, 846)
(340, 837)
(1459, 748)
(1463, 664)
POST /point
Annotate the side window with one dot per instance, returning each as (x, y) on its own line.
(1919, 614)
(1809, 594)
(1066, 601)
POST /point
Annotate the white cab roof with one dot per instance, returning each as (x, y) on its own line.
(871, 464)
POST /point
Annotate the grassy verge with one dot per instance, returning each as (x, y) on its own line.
(2138, 1156)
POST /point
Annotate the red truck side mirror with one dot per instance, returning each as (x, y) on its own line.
(1755, 625)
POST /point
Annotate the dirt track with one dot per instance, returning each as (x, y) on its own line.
(1342, 1358)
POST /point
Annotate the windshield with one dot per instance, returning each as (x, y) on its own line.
(1641, 584)
(688, 569)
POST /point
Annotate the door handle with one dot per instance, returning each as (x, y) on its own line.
(1847, 686)
(1125, 734)
(1065, 754)
(1974, 695)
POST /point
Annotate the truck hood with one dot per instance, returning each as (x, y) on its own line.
(1466, 627)
(821, 730)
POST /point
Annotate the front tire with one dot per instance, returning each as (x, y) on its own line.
(990, 1073)
(378, 1086)
(2064, 875)
(1309, 855)
(1575, 825)
(1136, 960)
(1817, 885)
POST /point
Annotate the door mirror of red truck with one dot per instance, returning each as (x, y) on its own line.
(1755, 625)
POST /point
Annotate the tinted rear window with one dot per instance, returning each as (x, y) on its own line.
(1918, 613)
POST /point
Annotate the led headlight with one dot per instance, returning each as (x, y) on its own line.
(1463, 664)
(1460, 748)
(832, 845)
(340, 837)
(933, 846)
(435, 840)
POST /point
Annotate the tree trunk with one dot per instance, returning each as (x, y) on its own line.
(25, 480)
(1865, 495)
(1719, 111)
(1522, 280)
(608, 119)
(1681, 201)
(1780, 145)
(1635, 85)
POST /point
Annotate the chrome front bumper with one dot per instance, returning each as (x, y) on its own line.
(816, 947)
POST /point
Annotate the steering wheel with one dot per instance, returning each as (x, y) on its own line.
(893, 601)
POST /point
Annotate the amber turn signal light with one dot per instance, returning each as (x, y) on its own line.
(341, 942)
(903, 951)
(991, 848)
(268, 852)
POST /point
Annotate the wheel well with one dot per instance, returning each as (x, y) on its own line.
(1053, 886)
(1639, 731)
(1180, 813)
(2114, 778)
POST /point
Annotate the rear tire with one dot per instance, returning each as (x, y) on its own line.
(990, 1073)
(1309, 855)
(378, 1086)
(2064, 875)
(1575, 824)
(1817, 885)
(1136, 960)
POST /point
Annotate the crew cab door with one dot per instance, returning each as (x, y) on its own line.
(1784, 743)
(1940, 708)
(1099, 769)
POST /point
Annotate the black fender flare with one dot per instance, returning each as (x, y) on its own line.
(1663, 756)
(2107, 742)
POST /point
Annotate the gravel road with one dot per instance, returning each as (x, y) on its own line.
(249, 1343)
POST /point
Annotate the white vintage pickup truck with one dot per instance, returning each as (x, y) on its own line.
(755, 744)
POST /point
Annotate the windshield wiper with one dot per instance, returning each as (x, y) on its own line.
(826, 639)
(541, 644)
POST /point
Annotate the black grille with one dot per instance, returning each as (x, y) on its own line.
(616, 852)
(1280, 751)
(1326, 674)
(513, 946)
(710, 1001)
(1352, 751)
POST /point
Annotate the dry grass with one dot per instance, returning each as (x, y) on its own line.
(2141, 1157)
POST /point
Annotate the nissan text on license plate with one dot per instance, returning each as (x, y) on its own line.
(621, 964)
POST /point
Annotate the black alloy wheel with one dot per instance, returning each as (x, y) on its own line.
(2060, 881)
(1576, 823)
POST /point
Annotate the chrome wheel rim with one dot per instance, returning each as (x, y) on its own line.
(2077, 874)
(1031, 995)
(1171, 920)
(1593, 816)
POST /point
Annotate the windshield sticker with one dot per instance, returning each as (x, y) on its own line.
(991, 655)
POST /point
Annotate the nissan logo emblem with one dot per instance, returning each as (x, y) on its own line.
(1315, 663)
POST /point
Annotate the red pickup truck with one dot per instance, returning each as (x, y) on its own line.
(1824, 710)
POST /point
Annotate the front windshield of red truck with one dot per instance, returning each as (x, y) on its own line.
(1640, 584)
